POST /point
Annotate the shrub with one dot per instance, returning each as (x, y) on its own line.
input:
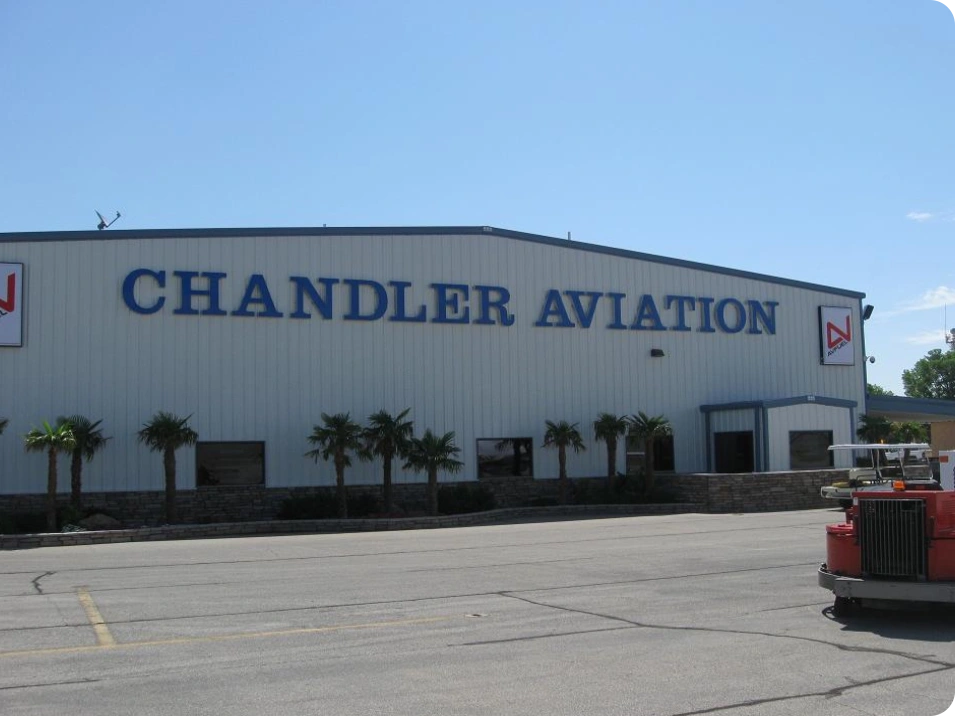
(463, 498)
(541, 502)
(320, 506)
(324, 506)
(363, 504)
(22, 523)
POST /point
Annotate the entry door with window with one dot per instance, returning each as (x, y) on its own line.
(734, 451)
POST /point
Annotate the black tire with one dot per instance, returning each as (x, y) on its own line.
(845, 504)
(842, 607)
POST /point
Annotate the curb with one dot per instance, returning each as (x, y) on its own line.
(335, 526)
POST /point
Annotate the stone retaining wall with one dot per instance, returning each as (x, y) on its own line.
(758, 492)
(752, 492)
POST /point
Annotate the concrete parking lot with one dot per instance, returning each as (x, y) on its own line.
(670, 615)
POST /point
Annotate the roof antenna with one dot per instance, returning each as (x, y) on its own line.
(103, 224)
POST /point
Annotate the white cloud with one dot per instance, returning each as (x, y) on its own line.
(919, 216)
(927, 338)
(934, 298)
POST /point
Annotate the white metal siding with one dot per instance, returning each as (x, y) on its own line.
(808, 417)
(271, 378)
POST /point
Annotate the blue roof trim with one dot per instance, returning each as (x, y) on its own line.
(812, 400)
(118, 235)
(782, 403)
(902, 404)
(741, 405)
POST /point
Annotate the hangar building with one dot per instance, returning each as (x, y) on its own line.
(479, 330)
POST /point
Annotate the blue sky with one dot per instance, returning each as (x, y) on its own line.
(807, 140)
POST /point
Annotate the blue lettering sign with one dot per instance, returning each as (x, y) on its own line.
(647, 312)
(322, 302)
(257, 292)
(354, 304)
(129, 290)
(187, 291)
(554, 308)
(584, 316)
(201, 294)
(451, 297)
(400, 287)
(498, 303)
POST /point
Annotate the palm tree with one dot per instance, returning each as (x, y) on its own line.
(607, 428)
(648, 429)
(51, 440)
(388, 436)
(338, 436)
(166, 433)
(89, 441)
(431, 453)
(563, 435)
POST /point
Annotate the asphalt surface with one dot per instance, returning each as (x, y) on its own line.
(669, 615)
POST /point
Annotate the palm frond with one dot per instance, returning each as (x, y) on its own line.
(431, 451)
(337, 434)
(166, 431)
(58, 438)
(563, 434)
(89, 436)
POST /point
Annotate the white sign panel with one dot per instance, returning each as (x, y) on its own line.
(11, 304)
(946, 469)
(837, 335)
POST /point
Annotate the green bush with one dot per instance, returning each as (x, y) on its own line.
(22, 523)
(69, 515)
(463, 498)
(324, 506)
(363, 504)
(541, 502)
(321, 506)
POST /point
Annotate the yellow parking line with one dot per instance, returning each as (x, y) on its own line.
(219, 637)
(103, 637)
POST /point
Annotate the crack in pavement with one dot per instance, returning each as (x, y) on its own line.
(36, 581)
(411, 600)
(944, 665)
(828, 694)
(51, 683)
(938, 664)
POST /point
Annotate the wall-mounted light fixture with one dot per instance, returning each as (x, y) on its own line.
(657, 353)
(867, 311)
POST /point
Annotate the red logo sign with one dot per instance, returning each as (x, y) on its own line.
(836, 336)
(10, 302)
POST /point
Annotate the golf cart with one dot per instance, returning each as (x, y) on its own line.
(868, 478)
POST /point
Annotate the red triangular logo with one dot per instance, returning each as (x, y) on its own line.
(835, 335)
(7, 305)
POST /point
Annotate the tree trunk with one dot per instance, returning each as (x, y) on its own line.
(648, 469)
(611, 463)
(386, 484)
(433, 491)
(51, 491)
(562, 477)
(76, 480)
(340, 486)
(169, 467)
